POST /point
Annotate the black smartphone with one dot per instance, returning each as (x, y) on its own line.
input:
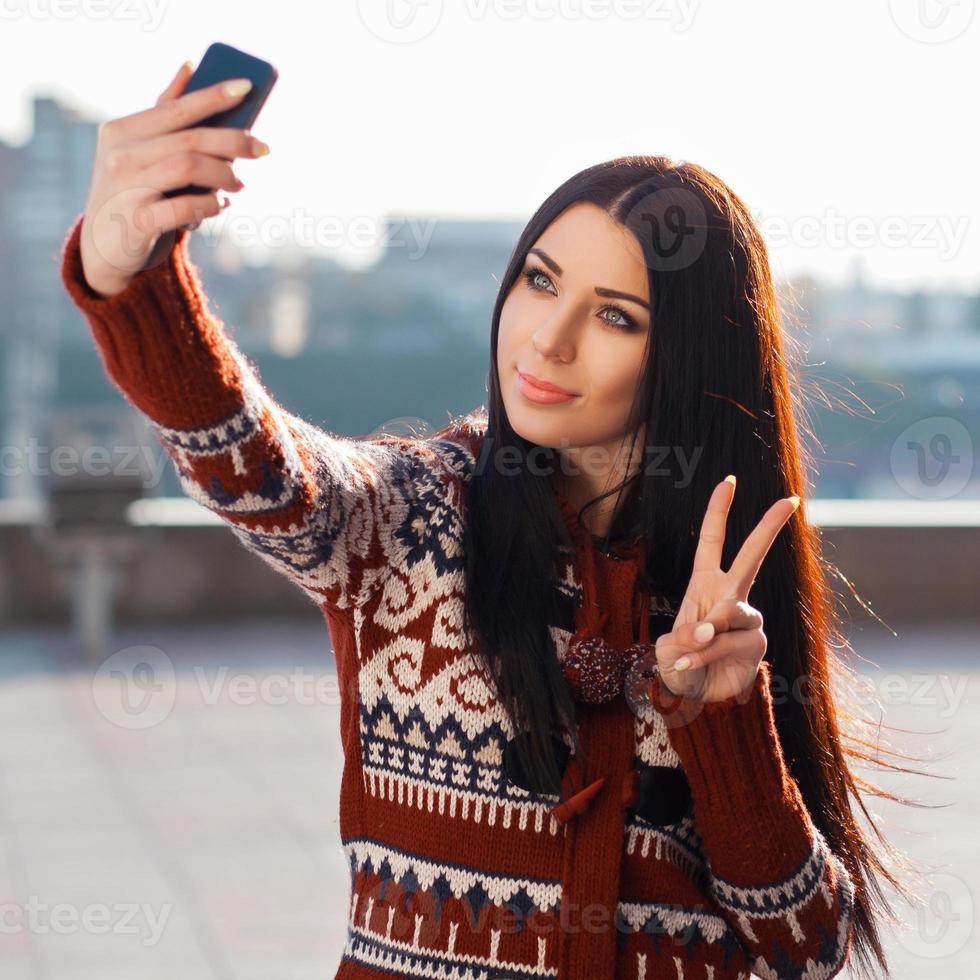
(220, 63)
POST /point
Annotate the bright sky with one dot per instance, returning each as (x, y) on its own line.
(844, 125)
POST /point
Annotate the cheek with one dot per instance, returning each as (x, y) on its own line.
(615, 373)
(506, 331)
(513, 333)
(508, 346)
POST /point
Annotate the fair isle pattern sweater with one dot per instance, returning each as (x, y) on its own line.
(456, 870)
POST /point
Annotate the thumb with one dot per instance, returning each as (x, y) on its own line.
(685, 639)
(176, 86)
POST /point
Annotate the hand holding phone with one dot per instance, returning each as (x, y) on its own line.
(130, 219)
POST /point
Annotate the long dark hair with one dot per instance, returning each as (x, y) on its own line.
(716, 389)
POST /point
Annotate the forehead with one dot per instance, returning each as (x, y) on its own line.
(593, 249)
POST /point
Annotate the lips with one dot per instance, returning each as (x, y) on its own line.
(544, 385)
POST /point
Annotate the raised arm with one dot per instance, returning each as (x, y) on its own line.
(334, 514)
(774, 878)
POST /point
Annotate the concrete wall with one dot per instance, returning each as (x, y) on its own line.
(199, 571)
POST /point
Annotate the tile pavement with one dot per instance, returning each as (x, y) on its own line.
(181, 821)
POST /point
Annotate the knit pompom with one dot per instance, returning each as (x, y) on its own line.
(596, 670)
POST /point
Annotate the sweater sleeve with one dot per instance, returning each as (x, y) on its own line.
(333, 514)
(775, 880)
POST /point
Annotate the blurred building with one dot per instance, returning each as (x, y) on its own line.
(42, 184)
(409, 335)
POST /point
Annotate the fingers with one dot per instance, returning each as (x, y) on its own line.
(725, 616)
(175, 114)
(749, 559)
(712, 537)
(190, 168)
(187, 210)
(177, 84)
(732, 614)
(224, 142)
(672, 647)
(750, 643)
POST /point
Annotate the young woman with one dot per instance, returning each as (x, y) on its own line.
(587, 718)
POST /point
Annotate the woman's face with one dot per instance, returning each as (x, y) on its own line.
(578, 317)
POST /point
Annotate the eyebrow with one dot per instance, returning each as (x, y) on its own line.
(600, 290)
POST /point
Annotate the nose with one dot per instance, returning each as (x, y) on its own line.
(555, 336)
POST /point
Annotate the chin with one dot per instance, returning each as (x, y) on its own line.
(539, 427)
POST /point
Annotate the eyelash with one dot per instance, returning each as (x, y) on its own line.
(529, 275)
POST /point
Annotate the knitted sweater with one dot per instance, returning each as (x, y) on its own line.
(692, 855)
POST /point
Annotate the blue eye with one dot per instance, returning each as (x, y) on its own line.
(627, 324)
(531, 274)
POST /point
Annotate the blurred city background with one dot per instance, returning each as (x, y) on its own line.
(218, 816)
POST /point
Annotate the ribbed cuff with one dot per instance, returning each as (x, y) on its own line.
(746, 802)
(159, 345)
(161, 276)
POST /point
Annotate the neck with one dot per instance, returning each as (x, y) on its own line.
(598, 518)
(581, 486)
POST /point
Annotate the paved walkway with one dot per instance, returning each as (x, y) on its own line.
(172, 813)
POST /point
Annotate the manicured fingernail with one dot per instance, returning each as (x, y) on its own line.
(703, 632)
(682, 664)
(794, 500)
(259, 148)
(730, 479)
(238, 86)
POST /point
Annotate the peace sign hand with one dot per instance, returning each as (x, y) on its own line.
(716, 629)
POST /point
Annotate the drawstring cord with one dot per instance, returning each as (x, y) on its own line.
(576, 797)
